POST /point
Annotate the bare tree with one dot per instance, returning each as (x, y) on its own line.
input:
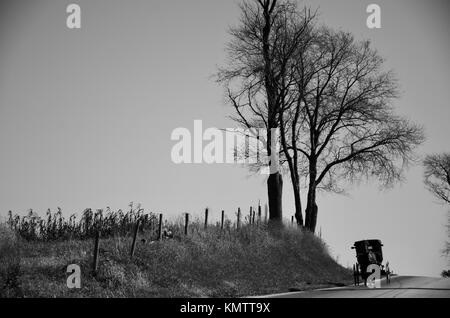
(437, 181)
(257, 78)
(437, 176)
(342, 121)
(447, 244)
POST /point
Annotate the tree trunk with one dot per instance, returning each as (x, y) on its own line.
(275, 180)
(298, 204)
(275, 190)
(311, 206)
(293, 168)
(311, 211)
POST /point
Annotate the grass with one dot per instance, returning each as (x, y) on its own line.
(207, 263)
(9, 263)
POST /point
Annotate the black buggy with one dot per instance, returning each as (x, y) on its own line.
(369, 252)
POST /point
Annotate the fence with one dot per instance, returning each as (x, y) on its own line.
(101, 225)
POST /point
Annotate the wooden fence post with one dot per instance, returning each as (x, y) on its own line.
(206, 218)
(222, 220)
(133, 245)
(186, 224)
(238, 224)
(259, 212)
(254, 214)
(150, 225)
(100, 221)
(160, 227)
(96, 248)
(251, 215)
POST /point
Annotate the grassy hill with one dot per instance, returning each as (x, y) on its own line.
(206, 263)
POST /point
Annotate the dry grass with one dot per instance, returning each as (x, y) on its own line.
(9, 263)
(55, 227)
(211, 263)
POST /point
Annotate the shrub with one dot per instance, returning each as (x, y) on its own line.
(55, 227)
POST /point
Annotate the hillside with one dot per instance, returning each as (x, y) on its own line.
(206, 263)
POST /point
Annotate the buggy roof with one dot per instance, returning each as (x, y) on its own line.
(376, 244)
(372, 241)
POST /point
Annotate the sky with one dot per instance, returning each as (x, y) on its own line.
(86, 116)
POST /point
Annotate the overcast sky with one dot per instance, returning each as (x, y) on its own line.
(86, 115)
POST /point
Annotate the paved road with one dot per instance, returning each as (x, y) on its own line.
(400, 287)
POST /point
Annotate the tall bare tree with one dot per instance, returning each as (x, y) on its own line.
(342, 121)
(437, 176)
(437, 181)
(259, 74)
(446, 250)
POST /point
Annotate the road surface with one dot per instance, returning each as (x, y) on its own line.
(400, 287)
